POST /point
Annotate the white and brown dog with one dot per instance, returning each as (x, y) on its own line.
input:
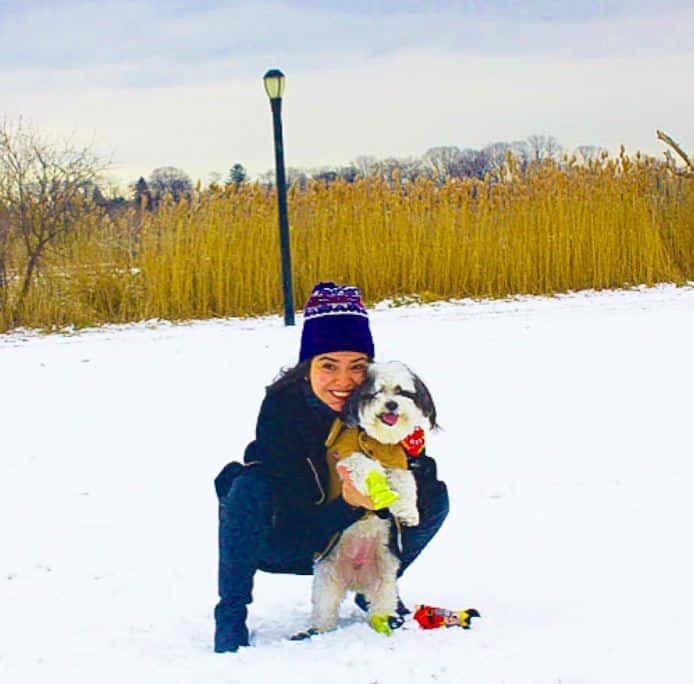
(379, 414)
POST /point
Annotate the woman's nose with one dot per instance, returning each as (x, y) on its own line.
(345, 379)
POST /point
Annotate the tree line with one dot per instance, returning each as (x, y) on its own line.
(437, 162)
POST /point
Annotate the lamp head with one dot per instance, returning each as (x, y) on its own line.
(274, 83)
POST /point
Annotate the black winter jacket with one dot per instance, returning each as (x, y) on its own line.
(289, 446)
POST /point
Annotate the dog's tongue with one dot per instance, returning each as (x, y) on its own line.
(389, 418)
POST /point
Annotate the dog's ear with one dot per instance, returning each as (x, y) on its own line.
(350, 411)
(424, 401)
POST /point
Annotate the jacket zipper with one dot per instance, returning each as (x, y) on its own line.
(318, 484)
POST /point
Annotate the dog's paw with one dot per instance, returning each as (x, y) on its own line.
(378, 490)
(410, 520)
(407, 515)
(381, 624)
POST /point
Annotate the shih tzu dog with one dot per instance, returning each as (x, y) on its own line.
(365, 444)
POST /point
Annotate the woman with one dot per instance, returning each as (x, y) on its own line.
(273, 512)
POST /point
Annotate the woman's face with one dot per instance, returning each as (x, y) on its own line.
(334, 375)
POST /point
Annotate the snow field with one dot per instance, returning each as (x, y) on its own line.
(567, 449)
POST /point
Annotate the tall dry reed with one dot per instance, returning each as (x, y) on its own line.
(612, 223)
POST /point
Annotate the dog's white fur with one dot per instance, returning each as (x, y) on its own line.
(362, 561)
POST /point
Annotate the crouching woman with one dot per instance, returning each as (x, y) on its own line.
(273, 511)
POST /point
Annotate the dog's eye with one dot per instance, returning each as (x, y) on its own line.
(405, 393)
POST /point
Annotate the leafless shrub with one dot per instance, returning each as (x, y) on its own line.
(43, 188)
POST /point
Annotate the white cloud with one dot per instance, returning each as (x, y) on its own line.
(164, 90)
(174, 43)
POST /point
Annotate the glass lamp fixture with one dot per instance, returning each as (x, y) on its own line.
(274, 83)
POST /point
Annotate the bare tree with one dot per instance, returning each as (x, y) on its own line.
(588, 153)
(366, 165)
(494, 156)
(543, 147)
(522, 153)
(349, 173)
(471, 163)
(329, 174)
(443, 160)
(43, 189)
(408, 168)
(295, 176)
(5, 242)
(168, 180)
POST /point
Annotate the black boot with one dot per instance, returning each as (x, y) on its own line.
(230, 630)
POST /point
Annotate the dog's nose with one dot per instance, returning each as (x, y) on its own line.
(391, 405)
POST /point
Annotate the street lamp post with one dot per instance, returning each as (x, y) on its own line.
(274, 87)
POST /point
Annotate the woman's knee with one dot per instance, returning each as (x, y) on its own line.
(250, 496)
(433, 501)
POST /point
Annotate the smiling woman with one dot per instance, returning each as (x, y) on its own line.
(275, 512)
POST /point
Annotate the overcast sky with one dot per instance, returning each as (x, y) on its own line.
(153, 83)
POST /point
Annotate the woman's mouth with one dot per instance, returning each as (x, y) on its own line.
(340, 395)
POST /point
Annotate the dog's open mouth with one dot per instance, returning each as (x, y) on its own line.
(389, 418)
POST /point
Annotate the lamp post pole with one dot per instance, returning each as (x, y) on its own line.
(274, 86)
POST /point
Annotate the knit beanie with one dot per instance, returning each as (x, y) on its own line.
(335, 319)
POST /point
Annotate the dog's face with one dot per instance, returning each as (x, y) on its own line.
(390, 403)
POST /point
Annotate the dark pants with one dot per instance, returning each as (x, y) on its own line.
(249, 541)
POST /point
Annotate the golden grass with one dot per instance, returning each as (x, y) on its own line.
(613, 223)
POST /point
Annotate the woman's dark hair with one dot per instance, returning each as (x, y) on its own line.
(288, 376)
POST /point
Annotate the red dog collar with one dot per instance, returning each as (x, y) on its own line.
(414, 442)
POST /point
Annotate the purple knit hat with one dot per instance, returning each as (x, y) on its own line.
(335, 319)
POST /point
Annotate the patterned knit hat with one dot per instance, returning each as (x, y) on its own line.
(335, 319)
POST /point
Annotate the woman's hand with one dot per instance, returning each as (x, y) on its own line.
(351, 494)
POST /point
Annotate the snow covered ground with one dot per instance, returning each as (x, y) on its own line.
(568, 450)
